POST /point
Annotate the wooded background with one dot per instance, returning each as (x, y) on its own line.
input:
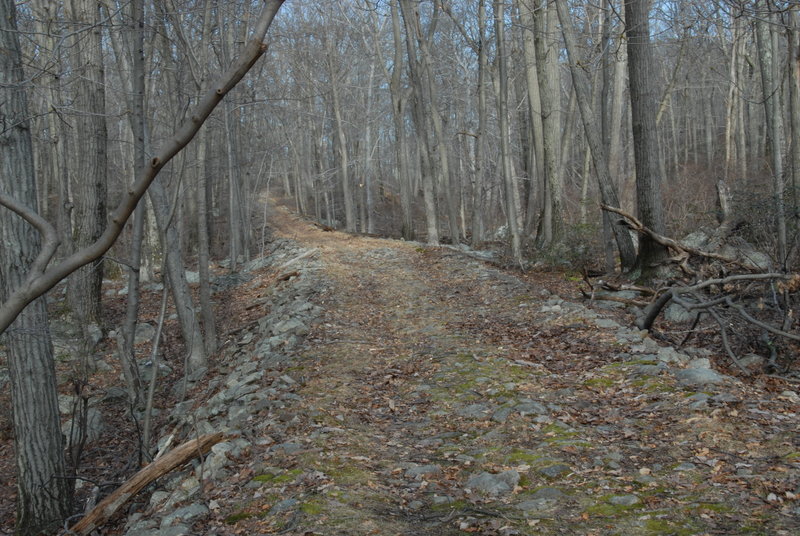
(476, 122)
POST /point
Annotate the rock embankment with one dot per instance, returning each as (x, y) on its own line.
(250, 380)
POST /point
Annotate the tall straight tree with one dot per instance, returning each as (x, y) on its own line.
(770, 83)
(608, 191)
(90, 173)
(43, 494)
(509, 187)
(420, 113)
(545, 18)
(644, 106)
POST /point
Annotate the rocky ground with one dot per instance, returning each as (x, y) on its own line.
(396, 389)
(380, 387)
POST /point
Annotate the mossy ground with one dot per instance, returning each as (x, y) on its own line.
(413, 336)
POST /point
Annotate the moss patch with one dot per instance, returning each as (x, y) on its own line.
(313, 507)
(239, 516)
(283, 478)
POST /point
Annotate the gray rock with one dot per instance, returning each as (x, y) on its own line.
(416, 505)
(698, 401)
(175, 530)
(197, 374)
(555, 471)
(95, 334)
(287, 448)
(494, 484)
(186, 514)
(146, 371)
(606, 323)
(725, 398)
(698, 377)
(534, 505)
(647, 346)
(115, 395)
(192, 277)
(542, 500)
(668, 354)
(94, 427)
(649, 370)
(474, 411)
(548, 494)
(531, 407)
(442, 499)
(677, 313)
(283, 506)
(686, 466)
(752, 362)
(144, 333)
(502, 414)
(419, 471)
(290, 325)
(699, 363)
(624, 500)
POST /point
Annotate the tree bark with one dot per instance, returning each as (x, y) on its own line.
(43, 493)
(182, 296)
(512, 216)
(478, 197)
(89, 177)
(794, 104)
(771, 96)
(644, 106)
(544, 20)
(420, 115)
(608, 191)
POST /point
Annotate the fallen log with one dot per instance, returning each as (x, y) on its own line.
(101, 513)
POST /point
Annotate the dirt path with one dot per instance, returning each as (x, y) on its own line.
(442, 396)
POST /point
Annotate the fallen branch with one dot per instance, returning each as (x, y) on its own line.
(683, 250)
(101, 513)
(649, 315)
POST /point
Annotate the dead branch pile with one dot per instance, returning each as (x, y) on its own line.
(750, 306)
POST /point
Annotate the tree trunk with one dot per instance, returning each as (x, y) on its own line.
(478, 197)
(439, 146)
(772, 110)
(89, 176)
(341, 147)
(794, 103)
(420, 115)
(549, 93)
(43, 492)
(644, 105)
(536, 172)
(512, 216)
(137, 123)
(608, 191)
(181, 295)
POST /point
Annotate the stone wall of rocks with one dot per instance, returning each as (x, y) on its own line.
(251, 378)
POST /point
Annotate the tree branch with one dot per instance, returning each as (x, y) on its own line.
(682, 249)
(101, 513)
(40, 281)
(50, 241)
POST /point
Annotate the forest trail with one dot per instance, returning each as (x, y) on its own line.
(440, 396)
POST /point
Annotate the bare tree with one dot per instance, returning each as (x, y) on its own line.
(89, 173)
(44, 494)
(583, 94)
(644, 105)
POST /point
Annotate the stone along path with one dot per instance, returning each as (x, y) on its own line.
(437, 395)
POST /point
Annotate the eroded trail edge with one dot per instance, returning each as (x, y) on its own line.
(433, 394)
